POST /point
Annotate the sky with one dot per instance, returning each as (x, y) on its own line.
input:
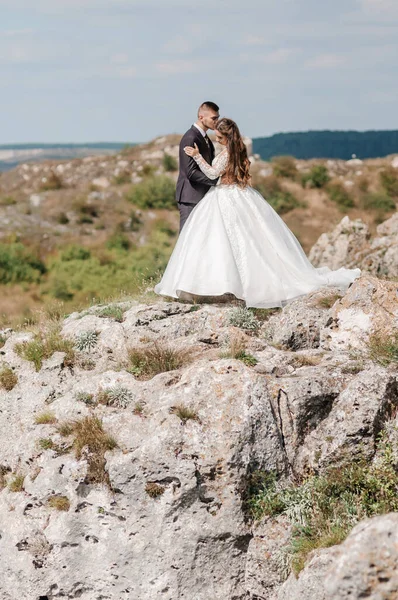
(131, 70)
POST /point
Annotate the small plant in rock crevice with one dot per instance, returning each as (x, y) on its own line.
(147, 361)
(154, 490)
(90, 439)
(46, 443)
(112, 312)
(45, 418)
(87, 340)
(327, 301)
(17, 483)
(44, 345)
(85, 397)
(184, 413)
(243, 318)
(118, 396)
(383, 348)
(59, 502)
(8, 378)
(237, 350)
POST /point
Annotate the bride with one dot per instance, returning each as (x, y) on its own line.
(235, 243)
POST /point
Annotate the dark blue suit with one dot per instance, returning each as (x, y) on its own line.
(192, 184)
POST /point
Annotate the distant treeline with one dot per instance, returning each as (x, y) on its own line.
(33, 145)
(328, 144)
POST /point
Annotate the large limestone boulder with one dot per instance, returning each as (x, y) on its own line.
(365, 565)
(370, 305)
(341, 247)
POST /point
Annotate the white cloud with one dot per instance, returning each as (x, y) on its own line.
(253, 40)
(119, 59)
(16, 32)
(178, 45)
(325, 61)
(389, 6)
(175, 67)
(278, 57)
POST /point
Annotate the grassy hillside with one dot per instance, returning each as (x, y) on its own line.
(100, 227)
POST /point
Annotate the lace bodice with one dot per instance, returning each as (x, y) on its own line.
(217, 167)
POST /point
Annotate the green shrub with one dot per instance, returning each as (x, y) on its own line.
(75, 252)
(153, 192)
(378, 201)
(88, 276)
(148, 170)
(169, 163)
(389, 181)
(118, 241)
(7, 201)
(317, 177)
(17, 264)
(284, 166)
(280, 199)
(62, 218)
(339, 195)
(135, 221)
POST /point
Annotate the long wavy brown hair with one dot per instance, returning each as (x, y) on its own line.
(238, 167)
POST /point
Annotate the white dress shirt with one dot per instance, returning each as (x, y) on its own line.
(200, 129)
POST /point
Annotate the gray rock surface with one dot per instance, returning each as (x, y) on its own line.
(299, 407)
(365, 565)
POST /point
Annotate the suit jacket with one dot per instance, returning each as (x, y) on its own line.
(192, 184)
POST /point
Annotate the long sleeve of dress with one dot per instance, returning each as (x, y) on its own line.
(216, 169)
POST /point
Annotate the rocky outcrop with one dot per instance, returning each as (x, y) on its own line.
(364, 566)
(161, 513)
(350, 245)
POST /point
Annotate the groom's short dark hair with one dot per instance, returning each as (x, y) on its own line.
(209, 105)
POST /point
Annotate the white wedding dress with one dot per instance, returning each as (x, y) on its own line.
(235, 243)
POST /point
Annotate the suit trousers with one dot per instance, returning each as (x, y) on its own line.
(185, 210)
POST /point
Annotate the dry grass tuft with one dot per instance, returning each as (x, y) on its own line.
(44, 345)
(184, 413)
(383, 348)
(154, 490)
(3, 472)
(59, 503)
(45, 418)
(89, 435)
(8, 379)
(237, 350)
(46, 443)
(146, 362)
(302, 360)
(16, 484)
(327, 301)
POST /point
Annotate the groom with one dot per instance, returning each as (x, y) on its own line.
(192, 184)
